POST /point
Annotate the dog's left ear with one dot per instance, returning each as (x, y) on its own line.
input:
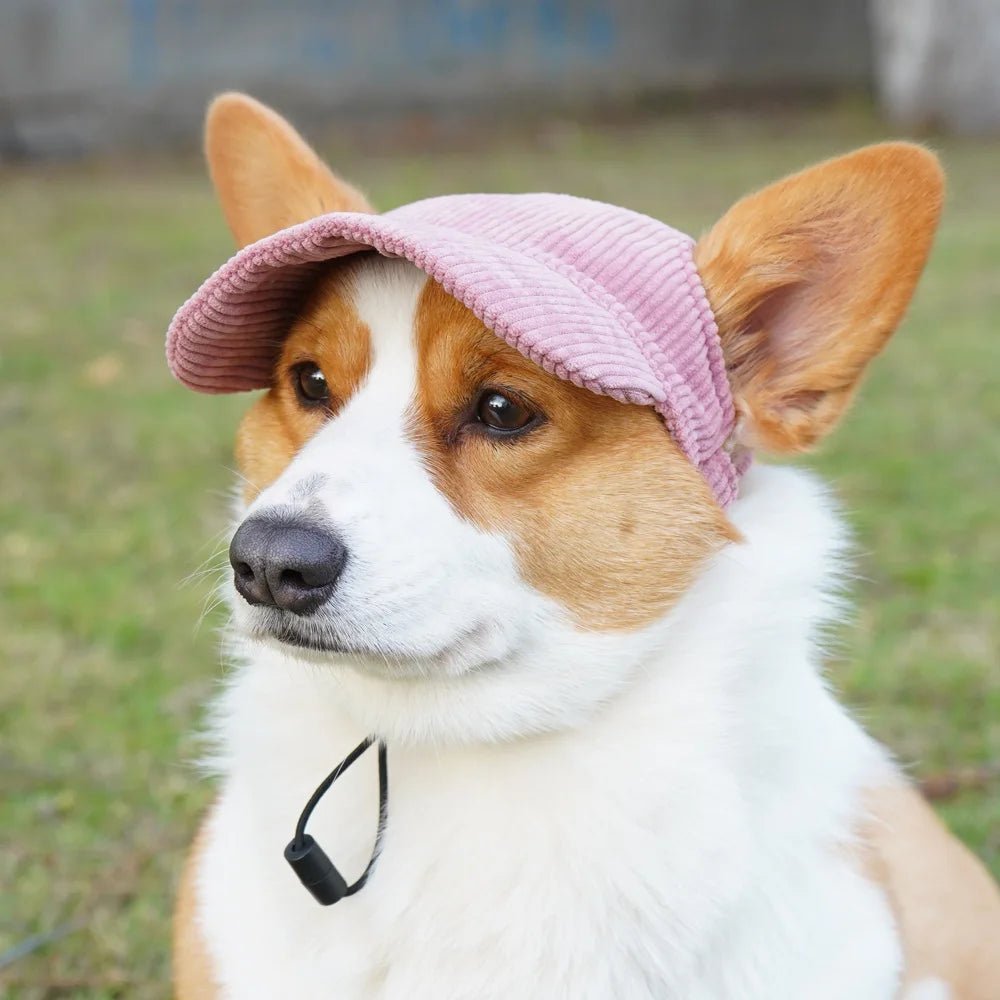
(266, 175)
(808, 279)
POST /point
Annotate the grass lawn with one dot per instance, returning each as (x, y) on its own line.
(113, 488)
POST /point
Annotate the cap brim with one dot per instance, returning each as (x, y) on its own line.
(228, 335)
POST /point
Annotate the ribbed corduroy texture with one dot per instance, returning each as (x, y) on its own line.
(601, 296)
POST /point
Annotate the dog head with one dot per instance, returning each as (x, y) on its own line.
(432, 513)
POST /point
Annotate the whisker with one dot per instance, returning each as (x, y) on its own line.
(243, 478)
(217, 562)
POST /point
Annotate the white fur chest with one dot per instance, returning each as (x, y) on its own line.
(525, 870)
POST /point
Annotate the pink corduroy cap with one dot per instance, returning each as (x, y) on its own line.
(601, 296)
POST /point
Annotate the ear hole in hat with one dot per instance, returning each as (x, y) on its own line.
(809, 278)
(266, 175)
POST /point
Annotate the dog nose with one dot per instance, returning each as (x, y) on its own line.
(285, 564)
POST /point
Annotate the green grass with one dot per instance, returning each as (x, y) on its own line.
(113, 486)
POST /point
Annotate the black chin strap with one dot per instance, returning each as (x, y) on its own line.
(309, 861)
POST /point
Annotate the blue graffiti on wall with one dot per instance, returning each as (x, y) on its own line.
(171, 39)
(142, 42)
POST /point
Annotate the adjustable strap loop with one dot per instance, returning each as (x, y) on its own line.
(309, 861)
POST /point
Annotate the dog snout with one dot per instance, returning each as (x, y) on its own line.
(285, 564)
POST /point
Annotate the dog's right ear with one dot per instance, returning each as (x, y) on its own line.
(266, 175)
(809, 277)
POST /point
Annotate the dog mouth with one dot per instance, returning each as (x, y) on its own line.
(321, 643)
(286, 631)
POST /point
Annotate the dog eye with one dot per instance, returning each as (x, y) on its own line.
(310, 384)
(502, 412)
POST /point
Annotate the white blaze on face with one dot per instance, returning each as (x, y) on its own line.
(420, 583)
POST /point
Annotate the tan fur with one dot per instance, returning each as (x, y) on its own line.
(605, 513)
(194, 978)
(946, 905)
(328, 333)
(266, 175)
(809, 277)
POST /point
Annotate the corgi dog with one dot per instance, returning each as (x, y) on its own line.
(499, 514)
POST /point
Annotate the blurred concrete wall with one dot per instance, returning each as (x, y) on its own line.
(938, 62)
(84, 74)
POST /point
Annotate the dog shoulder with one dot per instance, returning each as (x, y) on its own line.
(946, 905)
(194, 976)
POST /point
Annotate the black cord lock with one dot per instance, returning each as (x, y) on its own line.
(316, 871)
